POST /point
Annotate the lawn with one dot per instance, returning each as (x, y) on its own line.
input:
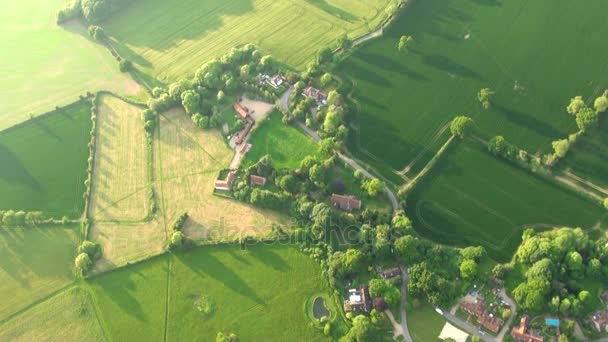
(34, 262)
(472, 198)
(44, 162)
(286, 145)
(120, 176)
(460, 46)
(68, 316)
(43, 65)
(171, 40)
(424, 323)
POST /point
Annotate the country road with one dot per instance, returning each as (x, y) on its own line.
(513, 305)
(353, 163)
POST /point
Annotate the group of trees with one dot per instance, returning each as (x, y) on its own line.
(178, 239)
(93, 11)
(461, 126)
(557, 263)
(88, 252)
(587, 117)
(405, 43)
(385, 289)
(12, 218)
(485, 96)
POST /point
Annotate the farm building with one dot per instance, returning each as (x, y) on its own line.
(257, 180)
(475, 306)
(315, 94)
(245, 148)
(243, 133)
(358, 300)
(225, 184)
(391, 273)
(241, 111)
(274, 81)
(348, 203)
(522, 333)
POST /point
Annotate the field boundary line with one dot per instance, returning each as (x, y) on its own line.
(98, 315)
(169, 266)
(36, 303)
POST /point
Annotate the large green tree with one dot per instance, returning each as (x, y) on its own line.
(461, 126)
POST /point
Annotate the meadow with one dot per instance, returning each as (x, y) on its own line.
(170, 41)
(44, 162)
(67, 316)
(286, 145)
(43, 65)
(460, 46)
(472, 198)
(424, 323)
(192, 295)
(120, 176)
(34, 263)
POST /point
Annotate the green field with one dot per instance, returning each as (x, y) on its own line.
(43, 65)
(285, 144)
(34, 262)
(424, 323)
(521, 49)
(170, 40)
(44, 162)
(259, 294)
(472, 198)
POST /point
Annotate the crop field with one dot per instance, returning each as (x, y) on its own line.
(67, 316)
(472, 198)
(171, 40)
(188, 163)
(460, 46)
(44, 162)
(43, 65)
(34, 262)
(285, 144)
(120, 177)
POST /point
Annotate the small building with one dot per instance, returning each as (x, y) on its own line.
(257, 180)
(358, 300)
(600, 321)
(225, 184)
(476, 306)
(315, 94)
(348, 203)
(391, 273)
(245, 148)
(243, 133)
(241, 111)
(521, 333)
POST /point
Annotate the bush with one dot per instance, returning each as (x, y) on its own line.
(177, 240)
(71, 10)
(181, 220)
(83, 263)
(97, 33)
(93, 250)
(125, 65)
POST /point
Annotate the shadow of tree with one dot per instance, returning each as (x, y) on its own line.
(14, 171)
(333, 10)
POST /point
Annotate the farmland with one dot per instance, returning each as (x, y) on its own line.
(188, 163)
(285, 144)
(120, 179)
(44, 162)
(170, 41)
(43, 65)
(232, 283)
(472, 198)
(462, 46)
(34, 262)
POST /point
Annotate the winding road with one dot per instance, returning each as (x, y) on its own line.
(284, 100)
(401, 329)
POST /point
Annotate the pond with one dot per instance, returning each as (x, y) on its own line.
(319, 309)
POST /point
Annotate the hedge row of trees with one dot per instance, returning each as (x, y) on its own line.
(12, 218)
(88, 252)
(93, 11)
(177, 237)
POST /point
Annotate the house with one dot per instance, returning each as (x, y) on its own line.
(243, 133)
(257, 180)
(522, 333)
(225, 184)
(348, 203)
(391, 273)
(358, 300)
(241, 111)
(476, 306)
(315, 94)
(600, 321)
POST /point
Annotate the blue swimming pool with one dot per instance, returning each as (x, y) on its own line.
(552, 322)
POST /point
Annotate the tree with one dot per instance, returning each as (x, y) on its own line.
(576, 105)
(334, 98)
(325, 55)
(594, 268)
(561, 147)
(473, 253)
(289, 183)
(468, 269)
(97, 33)
(191, 101)
(83, 263)
(586, 118)
(461, 126)
(317, 174)
(404, 43)
(220, 96)
(361, 330)
(475, 338)
(601, 103)
(574, 261)
(177, 239)
(377, 287)
(373, 186)
(484, 96)
(564, 306)
(125, 65)
(606, 202)
(221, 337)
(344, 42)
(407, 248)
(326, 79)
(93, 250)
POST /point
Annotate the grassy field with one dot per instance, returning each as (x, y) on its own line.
(461, 46)
(171, 40)
(188, 162)
(424, 323)
(285, 144)
(68, 316)
(34, 262)
(44, 162)
(43, 65)
(120, 177)
(472, 198)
